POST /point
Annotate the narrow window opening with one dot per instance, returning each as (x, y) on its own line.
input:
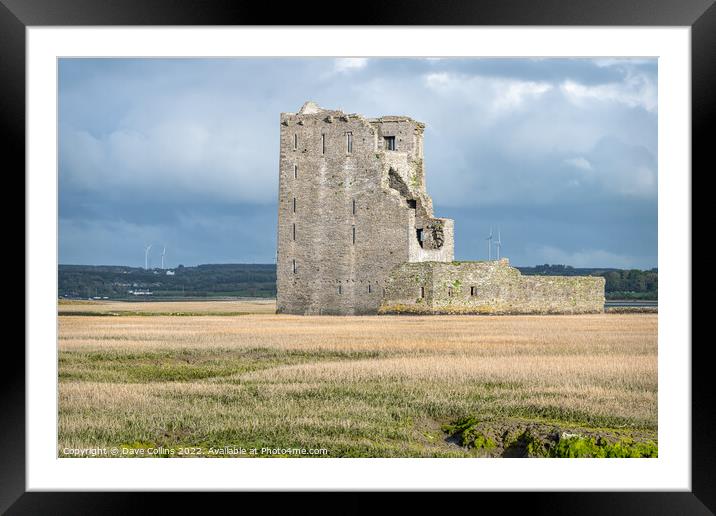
(294, 205)
(449, 291)
(294, 266)
(390, 142)
(295, 171)
(354, 234)
(422, 292)
(323, 144)
(295, 142)
(473, 291)
(294, 231)
(369, 288)
(349, 142)
(340, 289)
(421, 237)
(354, 206)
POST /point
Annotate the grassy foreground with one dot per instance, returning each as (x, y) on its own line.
(195, 383)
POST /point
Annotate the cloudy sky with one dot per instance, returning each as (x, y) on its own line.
(560, 154)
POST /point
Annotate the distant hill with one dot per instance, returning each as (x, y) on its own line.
(259, 280)
(118, 282)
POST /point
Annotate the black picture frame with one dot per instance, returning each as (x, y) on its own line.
(17, 15)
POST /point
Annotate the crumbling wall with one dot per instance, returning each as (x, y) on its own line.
(344, 219)
(438, 242)
(488, 287)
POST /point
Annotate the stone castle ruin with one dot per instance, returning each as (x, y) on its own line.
(357, 233)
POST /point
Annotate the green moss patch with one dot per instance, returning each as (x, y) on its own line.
(577, 446)
(528, 439)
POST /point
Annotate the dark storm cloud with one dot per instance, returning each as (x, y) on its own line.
(560, 153)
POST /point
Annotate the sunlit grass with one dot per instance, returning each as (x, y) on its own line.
(358, 386)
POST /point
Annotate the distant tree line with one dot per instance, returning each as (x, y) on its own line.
(259, 280)
(620, 283)
(118, 282)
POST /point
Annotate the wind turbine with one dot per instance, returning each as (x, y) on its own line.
(146, 256)
(164, 251)
(489, 245)
(498, 244)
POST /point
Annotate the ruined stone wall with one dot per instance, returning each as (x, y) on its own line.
(438, 240)
(488, 287)
(346, 217)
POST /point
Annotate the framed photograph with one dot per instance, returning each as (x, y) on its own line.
(389, 255)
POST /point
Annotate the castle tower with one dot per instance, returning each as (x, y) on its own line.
(352, 205)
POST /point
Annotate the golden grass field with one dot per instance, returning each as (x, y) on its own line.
(371, 386)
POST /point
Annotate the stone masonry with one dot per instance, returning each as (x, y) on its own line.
(352, 205)
(487, 287)
(357, 234)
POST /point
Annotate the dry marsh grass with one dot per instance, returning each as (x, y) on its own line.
(152, 307)
(358, 386)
